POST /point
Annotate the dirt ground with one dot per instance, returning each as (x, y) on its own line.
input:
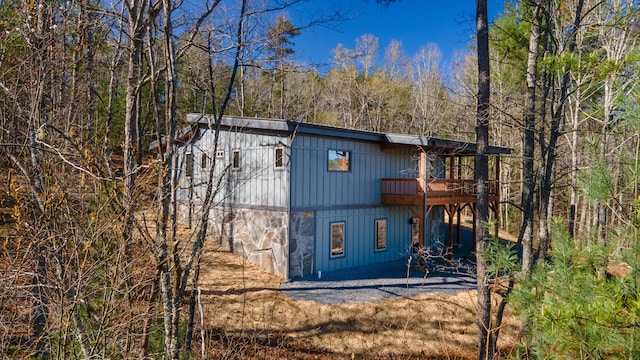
(240, 301)
(248, 317)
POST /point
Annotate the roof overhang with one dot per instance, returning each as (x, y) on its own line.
(388, 140)
(182, 135)
(444, 146)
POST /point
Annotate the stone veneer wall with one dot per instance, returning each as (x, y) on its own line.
(260, 236)
(435, 234)
(302, 236)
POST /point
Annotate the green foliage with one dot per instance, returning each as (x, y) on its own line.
(10, 36)
(157, 337)
(280, 38)
(562, 62)
(577, 311)
(510, 40)
(502, 258)
(596, 181)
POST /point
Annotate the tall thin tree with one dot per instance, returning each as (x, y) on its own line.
(485, 345)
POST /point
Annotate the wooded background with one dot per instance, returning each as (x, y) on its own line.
(91, 258)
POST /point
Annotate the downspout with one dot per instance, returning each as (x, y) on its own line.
(190, 152)
(288, 155)
(425, 225)
(423, 241)
(287, 163)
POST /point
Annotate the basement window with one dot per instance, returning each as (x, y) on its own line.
(339, 160)
(189, 164)
(235, 160)
(337, 239)
(203, 161)
(279, 158)
(381, 234)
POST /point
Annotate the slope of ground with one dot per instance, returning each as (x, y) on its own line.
(243, 302)
(247, 316)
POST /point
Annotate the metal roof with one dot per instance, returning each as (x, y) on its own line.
(181, 135)
(387, 139)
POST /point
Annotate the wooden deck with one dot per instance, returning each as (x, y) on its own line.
(439, 191)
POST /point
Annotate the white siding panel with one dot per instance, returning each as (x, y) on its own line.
(257, 183)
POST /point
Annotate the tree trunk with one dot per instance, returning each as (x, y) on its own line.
(554, 132)
(485, 349)
(192, 301)
(528, 144)
(41, 308)
(132, 112)
(573, 204)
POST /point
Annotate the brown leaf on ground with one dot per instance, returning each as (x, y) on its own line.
(243, 302)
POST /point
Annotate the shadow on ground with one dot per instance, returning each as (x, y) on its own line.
(402, 278)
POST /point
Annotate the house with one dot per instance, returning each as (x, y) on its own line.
(297, 198)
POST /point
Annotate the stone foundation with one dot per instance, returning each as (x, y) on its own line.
(435, 235)
(302, 244)
(260, 236)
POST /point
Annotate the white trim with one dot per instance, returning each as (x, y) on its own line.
(275, 158)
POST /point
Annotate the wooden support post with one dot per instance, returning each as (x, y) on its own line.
(493, 206)
(497, 205)
(450, 237)
(496, 209)
(473, 238)
(458, 223)
(452, 163)
(422, 231)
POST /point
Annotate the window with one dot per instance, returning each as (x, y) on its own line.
(220, 154)
(279, 158)
(339, 160)
(381, 234)
(337, 239)
(189, 164)
(235, 160)
(203, 161)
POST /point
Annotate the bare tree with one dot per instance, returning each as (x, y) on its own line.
(616, 19)
(430, 97)
(528, 142)
(549, 149)
(485, 329)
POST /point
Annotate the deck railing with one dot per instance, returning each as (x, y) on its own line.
(437, 188)
(401, 187)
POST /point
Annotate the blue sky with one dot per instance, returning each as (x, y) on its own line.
(450, 24)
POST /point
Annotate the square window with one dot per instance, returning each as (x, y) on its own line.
(337, 239)
(189, 164)
(235, 160)
(339, 160)
(381, 234)
(220, 154)
(279, 158)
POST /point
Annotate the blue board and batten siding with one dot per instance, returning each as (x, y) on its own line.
(352, 197)
(314, 186)
(359, 240)
(288, 211)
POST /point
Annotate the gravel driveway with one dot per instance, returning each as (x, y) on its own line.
(384, 281)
